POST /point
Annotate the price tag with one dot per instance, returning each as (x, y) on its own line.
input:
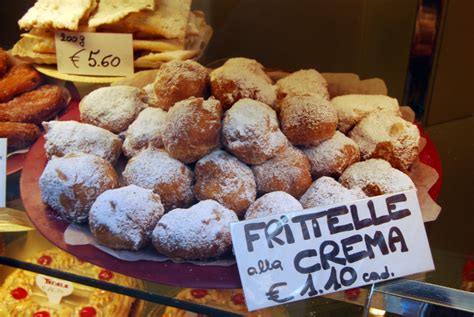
(298, 255)
(3, 172)
(54, 288)
(102, 54)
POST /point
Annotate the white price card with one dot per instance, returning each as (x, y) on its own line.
(100, 54)
(298, 255)
(54, 288)
(3, 172)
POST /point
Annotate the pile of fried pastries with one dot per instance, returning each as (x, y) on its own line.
(203, 148)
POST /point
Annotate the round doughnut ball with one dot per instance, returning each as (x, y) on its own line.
(124, 218)
(333, 156)
(376, 177)
(303, 82)
(178, 80)
(289, 172)
(192, 128)
(327, 191)
(273, 203)
(70, 184)
(241, 78)
(380, 135)
(145, 132)
(199, 232)
(155, 169)
(222, 177)
(250, 132)
(113, 108)
(307, 120)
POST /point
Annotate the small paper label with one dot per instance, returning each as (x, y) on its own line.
(3, 172)
(101, 54)
(298, 255)
(54, 288)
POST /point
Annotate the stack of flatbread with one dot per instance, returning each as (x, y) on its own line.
(163, 30)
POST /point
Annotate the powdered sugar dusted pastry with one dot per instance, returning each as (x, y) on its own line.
(155, 169)
(289, 171)
(375, 177)
(145, 132)
(63, 137)
(327, 191)
(353, 108)
(113, 108)
(303, 82)
(273, 203)
(199, 232)
(250, 131)
(333, 156)
(124, 218)
(307, 120)
(70, 184)
(380, 135)
(178, 80)
(241, 78)
(192, 128)
(222, 177)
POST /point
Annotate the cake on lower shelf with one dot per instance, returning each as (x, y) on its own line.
(21, 296)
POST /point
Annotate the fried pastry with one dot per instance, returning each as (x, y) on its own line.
(19, 79)
(19, 135)
(302, 82)
(3, 62)
(273, 203)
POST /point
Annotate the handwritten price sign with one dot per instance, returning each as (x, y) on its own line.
(100, 54)
(298, 255)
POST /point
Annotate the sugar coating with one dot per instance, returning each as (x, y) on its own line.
(302, 82)
(353, 108)
(128, 214)
(398, 137)
(333, 156)
(273, 203)
(63, 137)
(199, 232)
(250, 131)
(376, 173)
(70, 184)
(146, 131)
(112, 108)
(242, 78)
(327, 191)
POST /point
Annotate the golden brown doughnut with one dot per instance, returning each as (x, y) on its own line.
(19, 79)
(124, 218)
(178, 80)
(224, 178)
(192, 128)
(302, 82)
(273, 203)
(19, 135)
(307, 120)
(70, 184)
(241, 78)
(288, 171)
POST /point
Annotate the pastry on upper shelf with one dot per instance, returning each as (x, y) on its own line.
(240, 78)
(222, 177)
(70, 184)
(192, 128)
(327, 191)
(389, 137)
(288, 171)
(351, 109)
(63, 137)
(333, 156)
(145, 132)
(155, 169)
(200, 232)
(113, 108)
(250, 131)
(308, 119)
(302, 82)
(376, 177)
(179, 80)
(124, 218)
(273, 203)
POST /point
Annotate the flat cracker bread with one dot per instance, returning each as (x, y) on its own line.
(154, 60)
(160, 45)
(58, 14)
(111, 11)
(23, 49)
(41, 41)
(198, 33)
